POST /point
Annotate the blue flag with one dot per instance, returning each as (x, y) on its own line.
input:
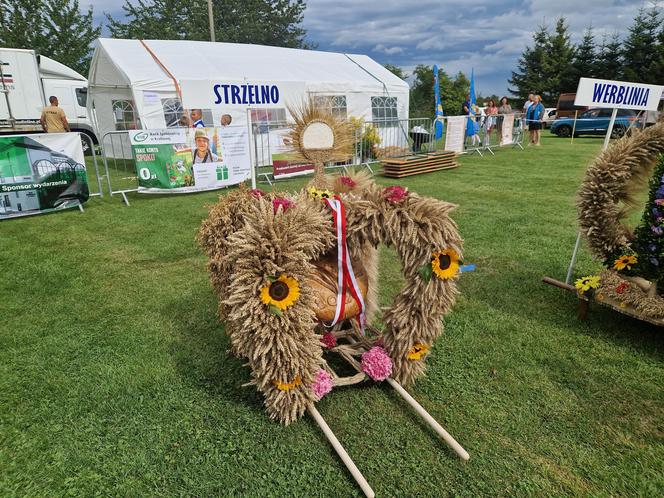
(473, 101)
(439, 107)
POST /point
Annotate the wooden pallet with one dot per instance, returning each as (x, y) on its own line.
(418, 164)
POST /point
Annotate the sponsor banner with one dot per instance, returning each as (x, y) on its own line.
(182, 160)
(230, 94)
(455, 135)
(594, 92)
(41, 173)
(283, 168)
(506, 129)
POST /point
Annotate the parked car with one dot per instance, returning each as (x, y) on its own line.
(549, 116)
(566, 108)
(595, 122)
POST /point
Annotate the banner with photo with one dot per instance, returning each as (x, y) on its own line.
(456, 133)
(41, 173)
(182, 160)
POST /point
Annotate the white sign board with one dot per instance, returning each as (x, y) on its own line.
(618, 94)
(506, 129)
(455, 135)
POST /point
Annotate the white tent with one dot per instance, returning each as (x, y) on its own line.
(147, 83)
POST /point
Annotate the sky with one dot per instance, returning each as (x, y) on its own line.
(485, 35)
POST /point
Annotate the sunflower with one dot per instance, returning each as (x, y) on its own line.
(282, 293)
(445, 264)
(319, 194)
(287, 386)
(625, 262)
(586, 283)
(418, 351)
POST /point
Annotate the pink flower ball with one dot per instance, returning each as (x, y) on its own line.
(347, 181)
(257, 193)
(376, 363)
(395, 193)
(328, 340)
(283, 202)
(322, 384)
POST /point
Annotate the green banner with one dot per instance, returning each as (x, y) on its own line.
(41, 173)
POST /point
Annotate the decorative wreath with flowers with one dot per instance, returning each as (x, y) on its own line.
(634, 259)
(297, 277)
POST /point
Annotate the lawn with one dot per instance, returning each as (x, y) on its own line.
(114, 377)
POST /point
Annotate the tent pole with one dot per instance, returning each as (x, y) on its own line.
(211, 17)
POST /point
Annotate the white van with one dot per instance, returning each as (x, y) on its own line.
(27, 81)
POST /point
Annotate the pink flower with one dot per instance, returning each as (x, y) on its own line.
(328, 340)
(395, 193)
(347, 181)
(283, 202)
(257, 193)
(659, 202)
(376, 363)
(322, 384)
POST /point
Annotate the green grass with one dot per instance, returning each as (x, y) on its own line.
(114, 377)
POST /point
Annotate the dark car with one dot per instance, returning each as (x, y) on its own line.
(595, 122)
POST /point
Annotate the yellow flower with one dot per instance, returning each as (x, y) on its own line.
(625, 262)
(586, 283)
(287, 386)
(281, 293)
(600, 297)
(418, 351)
(319, 194)
(445, 264)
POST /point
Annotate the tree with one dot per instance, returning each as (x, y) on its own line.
(609, 64)
(530, 74)
(585, 57)
(452, 92)
(264, 22)
(558, 67)
(54, 28)
(657, 68)
(396, 70)
(641, 48)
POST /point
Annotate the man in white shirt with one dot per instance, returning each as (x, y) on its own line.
(529, 102)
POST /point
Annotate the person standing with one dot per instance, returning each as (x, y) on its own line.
(504, 108)
(197, 118)
(492, 116)
(534, 119)
(529, 102)
(53, 118)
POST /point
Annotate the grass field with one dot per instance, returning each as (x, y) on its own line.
(114, 377)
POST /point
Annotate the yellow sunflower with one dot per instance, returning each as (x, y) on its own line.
(319, 193)
(287, 386)
(625, 262)
(282, 293)
(445, 264)
(418, 351)
(586, 283)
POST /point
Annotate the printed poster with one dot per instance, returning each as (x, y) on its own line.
(283, 166)
(181, 160)
(456, 133)
(41, 173)
(506, 130)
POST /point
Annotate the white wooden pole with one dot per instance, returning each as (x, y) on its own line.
(574, 126)
(430, 420)
(253, 159)
(608, 132)
(348, 462)
(211, 19)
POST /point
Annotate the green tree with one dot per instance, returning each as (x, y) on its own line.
(558, 67)
(422, 98)
(585, 57)
(609, 64)
(396, 70)
(265, 22)
(657, 68)
(530, 74)
(54, 28)
(641, 47)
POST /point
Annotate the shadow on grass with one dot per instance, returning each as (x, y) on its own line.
(200, 350)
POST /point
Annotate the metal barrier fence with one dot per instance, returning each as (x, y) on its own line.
(89, 145)
(119, 165)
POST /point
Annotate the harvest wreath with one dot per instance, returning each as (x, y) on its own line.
(296, 276)
(634, 260)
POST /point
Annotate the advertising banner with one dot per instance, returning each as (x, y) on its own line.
(456, 133)
(41, 173)
(283, 166)
(594, 92)
(182, 160)
(506, 129)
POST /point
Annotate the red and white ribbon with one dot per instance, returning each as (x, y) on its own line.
(345, 275)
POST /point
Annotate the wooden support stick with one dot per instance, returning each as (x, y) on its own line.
(350, 465)
(430, 420)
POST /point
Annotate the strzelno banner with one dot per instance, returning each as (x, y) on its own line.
(181, 160)
(41, 173)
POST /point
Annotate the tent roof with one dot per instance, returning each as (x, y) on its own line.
(50, 68)
(127, 62)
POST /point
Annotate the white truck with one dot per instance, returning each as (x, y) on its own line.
(26, 82)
